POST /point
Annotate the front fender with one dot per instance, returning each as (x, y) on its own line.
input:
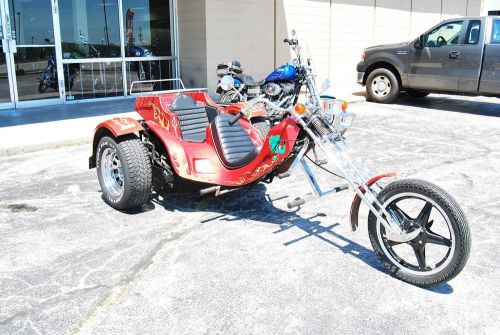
(118, 126)
(356, 202)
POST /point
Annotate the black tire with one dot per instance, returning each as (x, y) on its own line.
(261, 126)
(458, 243)
(382, 78)
(137, 172)
(42, 87)
(416, 94)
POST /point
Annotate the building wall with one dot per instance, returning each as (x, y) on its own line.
(490, 5)
(334, 32)
(192, 42)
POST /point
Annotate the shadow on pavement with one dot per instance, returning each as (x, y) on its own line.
(255, 204)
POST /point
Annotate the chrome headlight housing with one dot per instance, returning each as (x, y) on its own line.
(335, 113)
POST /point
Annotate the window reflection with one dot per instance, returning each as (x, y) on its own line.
(89, 29)
(94, 80)
(150, 70)
(147, 28)
(31, 22)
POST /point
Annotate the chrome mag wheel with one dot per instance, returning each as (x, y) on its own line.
(112, 172)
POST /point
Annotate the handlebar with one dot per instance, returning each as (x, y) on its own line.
(252, 102)
(235, 119)
(291, 41)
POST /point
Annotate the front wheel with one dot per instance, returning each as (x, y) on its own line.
(124, 171)
(439, 252)
(382, 86)
(228, 97)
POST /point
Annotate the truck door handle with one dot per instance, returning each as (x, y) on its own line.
(454, 54)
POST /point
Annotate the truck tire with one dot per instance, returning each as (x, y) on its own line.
(416, 94)
(382, 86)
(124, 171)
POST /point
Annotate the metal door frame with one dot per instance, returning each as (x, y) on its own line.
(10, 43)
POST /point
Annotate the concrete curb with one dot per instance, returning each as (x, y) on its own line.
(12, 151)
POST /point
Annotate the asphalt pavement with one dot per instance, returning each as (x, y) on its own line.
(243, 263)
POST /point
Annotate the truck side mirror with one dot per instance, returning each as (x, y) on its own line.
(419, 44)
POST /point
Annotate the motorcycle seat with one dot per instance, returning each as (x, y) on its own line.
(249, 81)
(193, 117)
(232, 143)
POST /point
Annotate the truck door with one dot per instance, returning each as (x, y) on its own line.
(490, 76)
(436, 66)
(472, 55)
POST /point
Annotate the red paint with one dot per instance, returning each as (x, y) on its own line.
(356, 202)
(121, 126)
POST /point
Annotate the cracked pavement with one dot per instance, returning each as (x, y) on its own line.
(243, 263)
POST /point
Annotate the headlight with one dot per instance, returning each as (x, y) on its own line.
(227, 83)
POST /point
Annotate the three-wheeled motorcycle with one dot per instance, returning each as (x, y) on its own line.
(417, 229)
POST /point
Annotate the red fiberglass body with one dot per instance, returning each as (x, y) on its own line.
(199, 161)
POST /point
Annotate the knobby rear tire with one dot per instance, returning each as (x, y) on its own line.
(456, 217)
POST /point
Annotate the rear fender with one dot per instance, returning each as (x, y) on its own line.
(356, 202)
(115, 127)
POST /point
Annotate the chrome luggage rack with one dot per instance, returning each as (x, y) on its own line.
(179, 80)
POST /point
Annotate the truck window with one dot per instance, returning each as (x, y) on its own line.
(495, 38)
(446, 34)
(472, 36)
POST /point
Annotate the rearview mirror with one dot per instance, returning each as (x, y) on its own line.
(419, 43)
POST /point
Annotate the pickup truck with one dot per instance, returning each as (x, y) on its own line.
(457, 56)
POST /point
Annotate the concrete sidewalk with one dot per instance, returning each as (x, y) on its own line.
(46, 127)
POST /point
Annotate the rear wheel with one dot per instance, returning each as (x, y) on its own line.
(124, 171)
(416, 94)
(439, 252)
(382, 86)
(42, 87)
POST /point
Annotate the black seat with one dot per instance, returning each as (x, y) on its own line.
(233, 144)
(193, 118)
(249, 81)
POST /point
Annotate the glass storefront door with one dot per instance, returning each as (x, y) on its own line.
(28, 66)
(54, 51)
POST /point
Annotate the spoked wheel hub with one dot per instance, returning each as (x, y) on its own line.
(112, 172)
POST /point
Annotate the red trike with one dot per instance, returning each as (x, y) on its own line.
(416, 228)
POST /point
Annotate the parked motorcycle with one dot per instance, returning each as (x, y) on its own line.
(283, 82)
(49, 78)
(417, 229)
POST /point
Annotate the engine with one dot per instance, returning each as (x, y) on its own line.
(271, 89)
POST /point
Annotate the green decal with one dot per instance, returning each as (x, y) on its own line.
(276, 148)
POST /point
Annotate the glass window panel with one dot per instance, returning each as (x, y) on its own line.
(31, 22)
(4, 78)
(472, 36)
(495, 38)
(147, 28)
(150, 70)
(446, 34)
(33, 64)
(89, 29)
(95, 80)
